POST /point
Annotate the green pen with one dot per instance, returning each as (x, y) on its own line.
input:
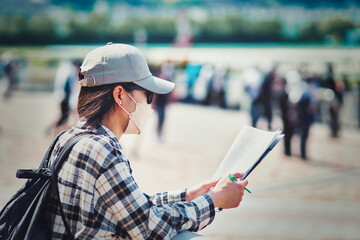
(234, 179)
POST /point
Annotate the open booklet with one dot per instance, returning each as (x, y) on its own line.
(247, 151)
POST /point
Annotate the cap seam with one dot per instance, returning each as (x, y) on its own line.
(138, 79)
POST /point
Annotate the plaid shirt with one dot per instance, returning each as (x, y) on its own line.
(101, 199)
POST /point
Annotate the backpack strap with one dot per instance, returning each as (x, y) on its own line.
(46, 159)
(55, 167)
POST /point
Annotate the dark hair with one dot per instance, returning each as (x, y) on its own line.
(96, 102)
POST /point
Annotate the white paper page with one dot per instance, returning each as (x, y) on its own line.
(247, 148)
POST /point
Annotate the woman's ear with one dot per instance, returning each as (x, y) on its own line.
(117, 92)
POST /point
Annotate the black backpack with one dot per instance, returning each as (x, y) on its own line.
(24, 216)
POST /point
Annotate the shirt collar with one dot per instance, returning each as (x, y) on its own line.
(99, 129)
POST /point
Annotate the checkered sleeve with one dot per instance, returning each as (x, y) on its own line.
(137, 217)
(168, 197)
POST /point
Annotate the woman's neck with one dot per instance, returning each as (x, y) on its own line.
(116, 122)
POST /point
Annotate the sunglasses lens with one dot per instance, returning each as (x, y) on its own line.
(150, 96)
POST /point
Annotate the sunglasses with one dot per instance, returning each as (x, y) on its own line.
(149, 95)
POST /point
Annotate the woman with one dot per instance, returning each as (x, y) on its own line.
(101, 200)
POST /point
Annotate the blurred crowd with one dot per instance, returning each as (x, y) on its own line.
(297, 96)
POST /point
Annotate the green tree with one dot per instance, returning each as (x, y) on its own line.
(336, 25)
(311, 33)
(159, 30)
(266, 31)
(214, 29)
(98, 26)
(240, 28)
(42, 29)
(123, 33)
(13, 29)
(77, 32)
(235, 28)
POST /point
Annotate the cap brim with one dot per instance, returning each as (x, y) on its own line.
(156, 85)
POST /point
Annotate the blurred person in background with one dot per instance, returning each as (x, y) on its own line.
(261, 94)
(265, 96)
(253, 79)
(306, 109)
(167, 71)
(66, 91)
(192, 71)
(335, 105)
(298, 110)
(100, 197)
(218, 85)
(11, 67)
(288, 116)
(202, 87)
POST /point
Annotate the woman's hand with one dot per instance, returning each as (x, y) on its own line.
(228, 194)
(198, 190)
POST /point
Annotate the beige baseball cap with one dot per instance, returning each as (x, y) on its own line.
(120, 63)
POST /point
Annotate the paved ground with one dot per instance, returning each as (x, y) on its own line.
(292, 199)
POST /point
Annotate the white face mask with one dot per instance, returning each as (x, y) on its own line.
(138, 118)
